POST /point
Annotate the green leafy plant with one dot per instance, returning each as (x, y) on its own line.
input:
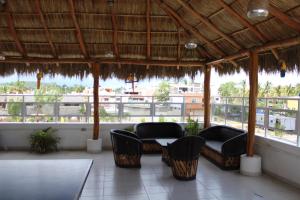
(44, 141)
(279, 130)
(161, 119)
(192, 127)
(129, 128)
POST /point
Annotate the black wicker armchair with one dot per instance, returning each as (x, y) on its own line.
(224, 145)
(183, 155)
(127, 149)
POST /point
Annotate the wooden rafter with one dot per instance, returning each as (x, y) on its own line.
(43, 21)
(13, 32)
(262, 48)
(246, 23)
(106, 61)
(178, 44)
(148, 21)
(188, 27)
(115, 35)
(209, 24)
(286, 19)
(78, 31)
(207, 54)
(242, 20)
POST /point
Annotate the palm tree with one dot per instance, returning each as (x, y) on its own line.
(289, 90)
(243, 91)
(267, 89)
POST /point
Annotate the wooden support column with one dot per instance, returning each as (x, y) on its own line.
(253, 78)
(207, 73)
(96, 70)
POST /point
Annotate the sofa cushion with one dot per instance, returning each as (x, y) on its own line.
(227, 133)
(215, 145)
(154, 130)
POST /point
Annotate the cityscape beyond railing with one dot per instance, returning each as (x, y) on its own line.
(277, 118)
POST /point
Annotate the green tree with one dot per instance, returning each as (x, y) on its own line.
(266, 90)
(289, 90)
(14, 109)
(243, 90)
(162, 94)
(228, 89)
(78, 88)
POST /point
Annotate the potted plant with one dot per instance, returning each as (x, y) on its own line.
(129, 128)
(44, 141)
(193, 127)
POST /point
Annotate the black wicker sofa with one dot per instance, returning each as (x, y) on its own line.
(224, 145)
(149, 131)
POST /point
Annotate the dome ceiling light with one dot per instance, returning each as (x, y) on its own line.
(109, 54)
(2, 57)
(258, 9)
(191, 45)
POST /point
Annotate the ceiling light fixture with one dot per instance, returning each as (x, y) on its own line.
(109, 54)
(2, 57)
(190, 45)
(258, 9)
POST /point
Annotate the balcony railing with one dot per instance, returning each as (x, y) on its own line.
(79, 108)
(276, 118)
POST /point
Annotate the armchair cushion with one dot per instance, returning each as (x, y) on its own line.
(215, 145)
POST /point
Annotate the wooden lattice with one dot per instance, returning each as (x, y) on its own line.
(184, 170)
(124, 160)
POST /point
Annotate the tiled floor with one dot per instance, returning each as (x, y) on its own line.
(154, 181)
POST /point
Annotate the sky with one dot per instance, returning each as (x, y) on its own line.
(216, 80)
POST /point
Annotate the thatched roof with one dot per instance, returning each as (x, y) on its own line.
(146, 37)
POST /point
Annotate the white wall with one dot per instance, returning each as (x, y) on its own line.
(279, 159)
(15, 136)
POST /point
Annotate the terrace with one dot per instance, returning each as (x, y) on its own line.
(146, 39)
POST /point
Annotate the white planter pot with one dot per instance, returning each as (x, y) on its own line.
(250, 166)
(94, 146)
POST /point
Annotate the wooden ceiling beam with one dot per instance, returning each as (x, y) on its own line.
(78, 31)
(188, 27)
(266, 47)
(242, 20)
(43, 21)
(114, 24)
(88, 13)
(247, 24)
(105, 61)
(286, 19)
(209, 24)
(13, 32)
(93, 29)
(148, 21)
(178, 45)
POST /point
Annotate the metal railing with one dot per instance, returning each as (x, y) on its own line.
(276, 118)
(79, 108)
